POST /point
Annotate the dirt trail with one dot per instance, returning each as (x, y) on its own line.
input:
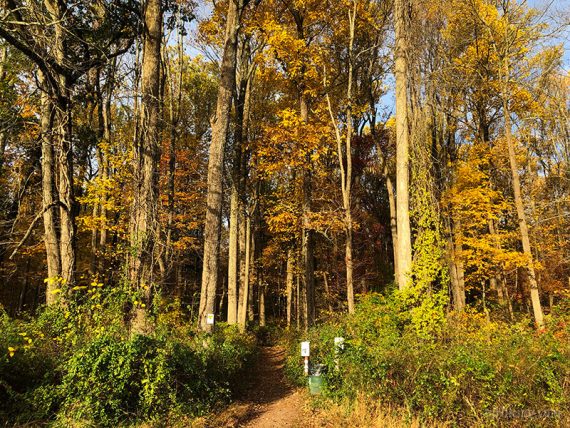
(267, 400)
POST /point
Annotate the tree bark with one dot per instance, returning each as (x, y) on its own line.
(523, 226)
(144, 213)
(307, 240)
(174, 110)
(105, 104)
(261, 298)
(289, 286)
(244, 295)
(48, 193)
(402, 146)
(393, 221)
(215, 166)
(63, 129)
(237, 188)
(233, 257)
(456, 269)
(345, 156)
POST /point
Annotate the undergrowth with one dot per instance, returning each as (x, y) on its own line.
(470, 372)
(77, 365)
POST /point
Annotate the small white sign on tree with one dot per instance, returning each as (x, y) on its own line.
(210, 319)
(305, 349)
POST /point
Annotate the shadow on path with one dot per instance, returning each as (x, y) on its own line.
(265, 399)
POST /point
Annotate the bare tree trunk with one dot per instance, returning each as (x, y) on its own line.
(175, 105)
(261, 294)
(402, 146)
(507, 296)
(328, 292)
(239, 174)
(241, 255)
(63, 128)
(144, 213)
(307, 240)
(251, 273)
(66, 193)
(289, 286)
(345, 155)
(233, 256)
(105, 103)
(298, 302)
(500, 285)
(48, 193)
(215, 166)
(244, 303)
(94, 241)
(393, 223)
(455, 269)
(534, 293)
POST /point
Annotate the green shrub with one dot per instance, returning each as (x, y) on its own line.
(472, 371)
(71, 370)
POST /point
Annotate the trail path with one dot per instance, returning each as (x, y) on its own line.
(267, 400)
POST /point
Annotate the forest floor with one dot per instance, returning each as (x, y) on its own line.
(265, 399)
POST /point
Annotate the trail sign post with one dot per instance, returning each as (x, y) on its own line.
(305, 353)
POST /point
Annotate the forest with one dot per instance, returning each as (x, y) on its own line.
(189, 189)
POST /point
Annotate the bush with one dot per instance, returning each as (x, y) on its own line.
(70, 370)
(471, 373)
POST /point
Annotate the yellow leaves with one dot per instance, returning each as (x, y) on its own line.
(290, 143)
(477, 208)
(390, 123)
(27, 342)
(283, 222)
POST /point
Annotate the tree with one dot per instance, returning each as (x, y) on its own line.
(49, 33)
(144, 211)
(402, 146)
(220, 124)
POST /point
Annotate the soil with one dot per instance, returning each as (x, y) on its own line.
(266, 399)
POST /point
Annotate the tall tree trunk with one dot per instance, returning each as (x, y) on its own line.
(215, 166)
(241, 253)
(233, 256)
(307, 240)
(328, 292)
(144, 213)
(455, 268)
(244, 295)
(66, 193)
(49, 197)
(523, 226)
(345, 156)
(261, 297)
(105, 103)
(347, 191)
(237, 188)
(289, 286)
(63, 128)
(393, 221)
(95, 77)
(402, 145)
(500, 285)
(252, 273)
(174, 110)
(298, 302)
